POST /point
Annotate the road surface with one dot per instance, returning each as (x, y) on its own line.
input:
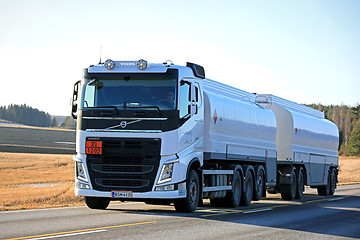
(313, 217)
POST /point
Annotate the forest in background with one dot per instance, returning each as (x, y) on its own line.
(23, 114)
(348, 121)
(26, 115)
(346, 118)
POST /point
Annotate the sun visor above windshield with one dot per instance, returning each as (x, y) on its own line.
(140, 66)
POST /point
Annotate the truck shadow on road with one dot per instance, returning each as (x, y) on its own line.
(330, 216)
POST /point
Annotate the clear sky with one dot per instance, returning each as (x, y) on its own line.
(305, 51)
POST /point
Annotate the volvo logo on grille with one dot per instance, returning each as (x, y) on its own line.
(123, 124)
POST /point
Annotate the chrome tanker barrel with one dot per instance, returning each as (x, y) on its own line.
(303, 136)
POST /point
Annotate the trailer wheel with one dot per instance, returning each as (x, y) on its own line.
(300, 183)
(190, 203)
(332, 181)
(97, 202)
(325, 189)
(288, 191)
(259, 185)
(247, 194)
(233, 197)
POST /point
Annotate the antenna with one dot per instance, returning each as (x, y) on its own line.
(100, 54)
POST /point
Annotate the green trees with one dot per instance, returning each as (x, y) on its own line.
(69, 122)
(23, 114)
(348, 120)
(353, 145)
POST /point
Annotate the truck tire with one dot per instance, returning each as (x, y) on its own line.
(325, 189)
(190, 203)
(233, 197)
(332, 181)
(247, 193)
(288, 191)
(259, 185)
(300, 183)
(97, 202)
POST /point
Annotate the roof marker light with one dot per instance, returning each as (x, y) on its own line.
(109, 64)
(142, 64)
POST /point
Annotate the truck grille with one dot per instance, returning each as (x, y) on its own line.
(125, 164)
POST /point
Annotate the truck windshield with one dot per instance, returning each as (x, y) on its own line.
(136, 91)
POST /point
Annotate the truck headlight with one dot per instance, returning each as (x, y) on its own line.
(80, 171)
(166, 173)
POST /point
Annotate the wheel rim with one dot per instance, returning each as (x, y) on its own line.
(193, 192)
(260, 184)
(237, 189)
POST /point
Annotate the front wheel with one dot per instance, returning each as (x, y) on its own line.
(97, 202)
(190, 203)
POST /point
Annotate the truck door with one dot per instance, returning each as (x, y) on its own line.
(191, 113)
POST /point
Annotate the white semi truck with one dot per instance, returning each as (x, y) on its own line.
(163, 133)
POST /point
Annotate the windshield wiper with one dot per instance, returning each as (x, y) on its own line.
(114, 107)
(155, 107)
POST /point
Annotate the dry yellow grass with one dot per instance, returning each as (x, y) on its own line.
(349, 170)
(47, 180)
(36, 181)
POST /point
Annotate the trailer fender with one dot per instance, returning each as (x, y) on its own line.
(285, 174)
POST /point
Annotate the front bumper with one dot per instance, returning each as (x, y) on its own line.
(178, 179)
(180, 193)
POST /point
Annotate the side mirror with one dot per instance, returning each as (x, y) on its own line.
(74, 99)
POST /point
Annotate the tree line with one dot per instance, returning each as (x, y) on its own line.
(24, 114)
(348, 121)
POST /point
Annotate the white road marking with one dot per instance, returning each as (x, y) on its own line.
(67, 235)
(259, 210)
(334, 199)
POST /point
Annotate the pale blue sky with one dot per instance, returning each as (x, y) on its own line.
(305, 51)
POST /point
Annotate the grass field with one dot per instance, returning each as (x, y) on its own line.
(36, 181)
(349, 170)
(47, 180)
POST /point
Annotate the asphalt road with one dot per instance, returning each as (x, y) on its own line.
(313, 217)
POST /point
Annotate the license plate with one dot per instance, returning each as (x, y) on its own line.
(121, 194)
